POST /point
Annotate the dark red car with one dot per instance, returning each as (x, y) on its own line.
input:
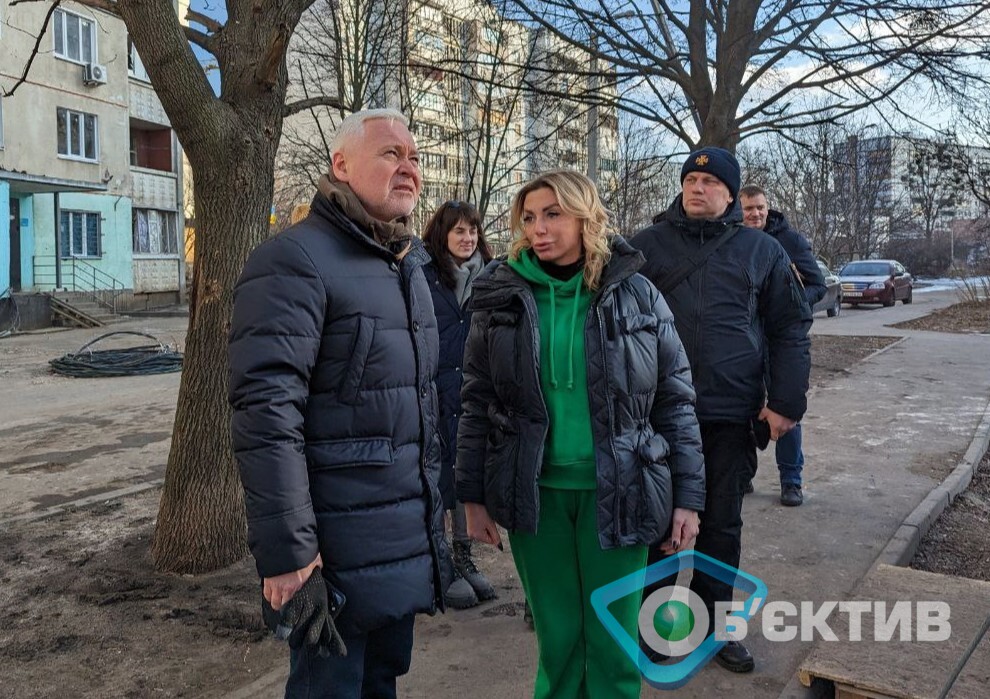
(876, 281)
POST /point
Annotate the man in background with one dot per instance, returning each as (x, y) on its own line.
(757, 214)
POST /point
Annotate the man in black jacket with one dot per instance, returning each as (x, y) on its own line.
(333, 355)
(758, 214)
(737, 306)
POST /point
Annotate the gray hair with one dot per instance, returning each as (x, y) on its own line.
(353, 125)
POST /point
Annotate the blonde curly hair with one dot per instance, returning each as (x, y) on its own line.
(577, 196)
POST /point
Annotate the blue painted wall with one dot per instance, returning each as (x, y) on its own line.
(115, 231)
(27, 239)
(4, 236)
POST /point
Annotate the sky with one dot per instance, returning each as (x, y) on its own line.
(217, 10)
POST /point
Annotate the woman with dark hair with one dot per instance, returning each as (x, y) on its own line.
(455, 239)
(578, 435)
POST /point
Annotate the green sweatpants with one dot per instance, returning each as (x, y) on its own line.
(559, 567)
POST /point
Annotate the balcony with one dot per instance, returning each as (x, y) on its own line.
(153, 190)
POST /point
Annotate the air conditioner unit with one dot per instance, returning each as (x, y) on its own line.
(94, 74)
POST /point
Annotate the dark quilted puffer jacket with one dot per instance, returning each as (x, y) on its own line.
(333, 354)
(741, 315)
(647, 443)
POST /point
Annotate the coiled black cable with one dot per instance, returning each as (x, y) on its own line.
(131, 361)
(10, 316)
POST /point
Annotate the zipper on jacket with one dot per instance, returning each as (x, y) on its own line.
(529, 303)
(611, 417)
(699, 314)
(405, 284)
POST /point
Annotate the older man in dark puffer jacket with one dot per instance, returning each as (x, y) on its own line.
(333, 355)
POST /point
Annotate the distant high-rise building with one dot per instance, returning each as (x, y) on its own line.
(470, 80)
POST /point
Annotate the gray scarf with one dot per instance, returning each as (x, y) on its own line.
(466, 273)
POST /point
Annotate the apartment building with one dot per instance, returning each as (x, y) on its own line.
(90, 174)
(465, 76)
(912, 187)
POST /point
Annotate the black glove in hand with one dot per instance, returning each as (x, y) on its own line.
(307, 619)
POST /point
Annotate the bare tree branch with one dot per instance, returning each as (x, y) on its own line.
(34, 50)
(204, 41)
(734, 68)
(211, 24)
(309, 103)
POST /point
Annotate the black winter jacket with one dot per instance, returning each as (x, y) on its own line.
(647, 441)
(798, 249)
(453, 323)
(743, 304)
(333, 354)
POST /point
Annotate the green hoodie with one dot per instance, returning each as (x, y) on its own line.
(562, 306)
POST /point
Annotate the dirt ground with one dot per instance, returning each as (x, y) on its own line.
(81, 608)
(957, 544)
(964, 317)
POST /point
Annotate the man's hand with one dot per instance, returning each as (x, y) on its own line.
(480, 525)
(683, 531)
(280, 589)
(779, 425)
(307, 619)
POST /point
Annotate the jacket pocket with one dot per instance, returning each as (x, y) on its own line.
(638, 334)
(504, 347)
(363, 338)
(656, 491)
(349, 453)
(501, 455)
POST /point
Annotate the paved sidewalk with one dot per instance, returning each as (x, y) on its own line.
(876, 442)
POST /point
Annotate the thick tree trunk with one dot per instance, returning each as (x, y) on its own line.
(201, 524)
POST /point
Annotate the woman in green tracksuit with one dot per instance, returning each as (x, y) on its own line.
(578, 433)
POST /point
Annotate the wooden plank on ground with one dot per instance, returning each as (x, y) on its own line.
(974, 680)
(904, 669)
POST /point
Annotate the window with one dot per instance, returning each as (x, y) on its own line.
(78, 136)
(135, 67)
(154, 232)
(429, 40)
(431, 14)
(75, 37)
(433, 101)
(80, 234)
(151, 148)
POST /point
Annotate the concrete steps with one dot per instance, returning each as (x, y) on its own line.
(80, 309)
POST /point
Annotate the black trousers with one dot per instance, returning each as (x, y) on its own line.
(729, 451)
(368, 671)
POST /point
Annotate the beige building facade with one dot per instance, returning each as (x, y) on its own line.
(90, 180)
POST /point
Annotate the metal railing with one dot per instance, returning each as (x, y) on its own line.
(79, 276)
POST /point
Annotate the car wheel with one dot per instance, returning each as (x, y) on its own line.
(910, 296)
(835, 309)
(891, 300)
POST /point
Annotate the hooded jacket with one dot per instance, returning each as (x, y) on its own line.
(333, 353)
(741, 315)
(799, 252)
(646, 441)
(562, 306)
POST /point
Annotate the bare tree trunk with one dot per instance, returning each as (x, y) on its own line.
(201, 524)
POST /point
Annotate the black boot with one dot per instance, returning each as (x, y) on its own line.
(466, 567)
(460, 594)
(735, 657)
